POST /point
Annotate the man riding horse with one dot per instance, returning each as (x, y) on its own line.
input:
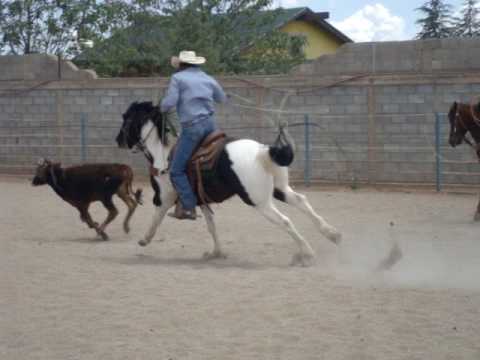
(193, 93)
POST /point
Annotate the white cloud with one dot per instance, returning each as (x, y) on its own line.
(373, 23)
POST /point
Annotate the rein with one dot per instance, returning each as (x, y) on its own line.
(166, 125)
(140, 145)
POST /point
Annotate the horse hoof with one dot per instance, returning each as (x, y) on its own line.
(126, 229)
(214, 255)
(393, 257)
(143, 243)
(305, 260)
(104, 236)
(335, 237)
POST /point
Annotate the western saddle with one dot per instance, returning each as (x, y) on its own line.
(204, 159)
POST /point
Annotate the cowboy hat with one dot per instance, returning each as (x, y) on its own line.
(187, 57)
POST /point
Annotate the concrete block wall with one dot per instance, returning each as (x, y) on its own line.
(396, 57)
(39, 67)
(372, 127)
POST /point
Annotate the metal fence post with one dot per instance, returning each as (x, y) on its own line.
(306, 171)
(83, 136)
(438, 159)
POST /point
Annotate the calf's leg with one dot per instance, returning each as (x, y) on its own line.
(123, 194)
(85, 216)
(112, 214)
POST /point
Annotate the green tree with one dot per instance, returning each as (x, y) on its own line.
(23, 25)
(437, 20)
(236, 36)
(138, 50)
(468, 24)
(57, 26)
(137, 37)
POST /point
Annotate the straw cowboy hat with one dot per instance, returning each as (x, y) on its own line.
(187, 57)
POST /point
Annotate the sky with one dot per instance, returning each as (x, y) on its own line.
(370, 20)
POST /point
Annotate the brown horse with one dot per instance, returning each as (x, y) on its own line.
(465, 118)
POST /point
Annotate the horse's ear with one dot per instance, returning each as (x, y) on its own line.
(453, 108)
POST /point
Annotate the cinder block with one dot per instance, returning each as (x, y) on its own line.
(416, 99)
(391, 108)
(106, 100)
(81, 100)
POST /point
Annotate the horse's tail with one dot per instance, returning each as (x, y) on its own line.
(138, 196)
(283, 149)
(128, 176)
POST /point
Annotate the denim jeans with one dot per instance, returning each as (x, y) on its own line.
(190, 137)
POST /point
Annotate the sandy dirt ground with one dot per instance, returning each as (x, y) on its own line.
(66, 295)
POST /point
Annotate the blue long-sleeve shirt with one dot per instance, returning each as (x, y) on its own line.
(193, 93)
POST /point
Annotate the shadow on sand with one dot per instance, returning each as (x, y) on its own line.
(196, 263)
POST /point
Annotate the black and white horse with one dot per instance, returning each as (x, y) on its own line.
(257, 173)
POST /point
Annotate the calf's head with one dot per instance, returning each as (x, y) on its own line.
(41, 173)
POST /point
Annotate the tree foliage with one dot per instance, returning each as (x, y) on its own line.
(57, 26)
(436, 22)
(468, 24)
(138, 37)
(236, 36)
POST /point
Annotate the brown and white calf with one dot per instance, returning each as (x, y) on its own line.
(81, 185)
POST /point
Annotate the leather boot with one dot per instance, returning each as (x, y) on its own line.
(182, 214)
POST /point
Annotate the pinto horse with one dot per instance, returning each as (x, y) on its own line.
(465, 118)
(257, 173)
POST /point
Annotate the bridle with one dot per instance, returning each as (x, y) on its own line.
(141, 144)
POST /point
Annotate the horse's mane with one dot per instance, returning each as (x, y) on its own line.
(457, 104)
(155, 116)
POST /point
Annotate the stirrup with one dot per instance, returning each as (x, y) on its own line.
(181, 214)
